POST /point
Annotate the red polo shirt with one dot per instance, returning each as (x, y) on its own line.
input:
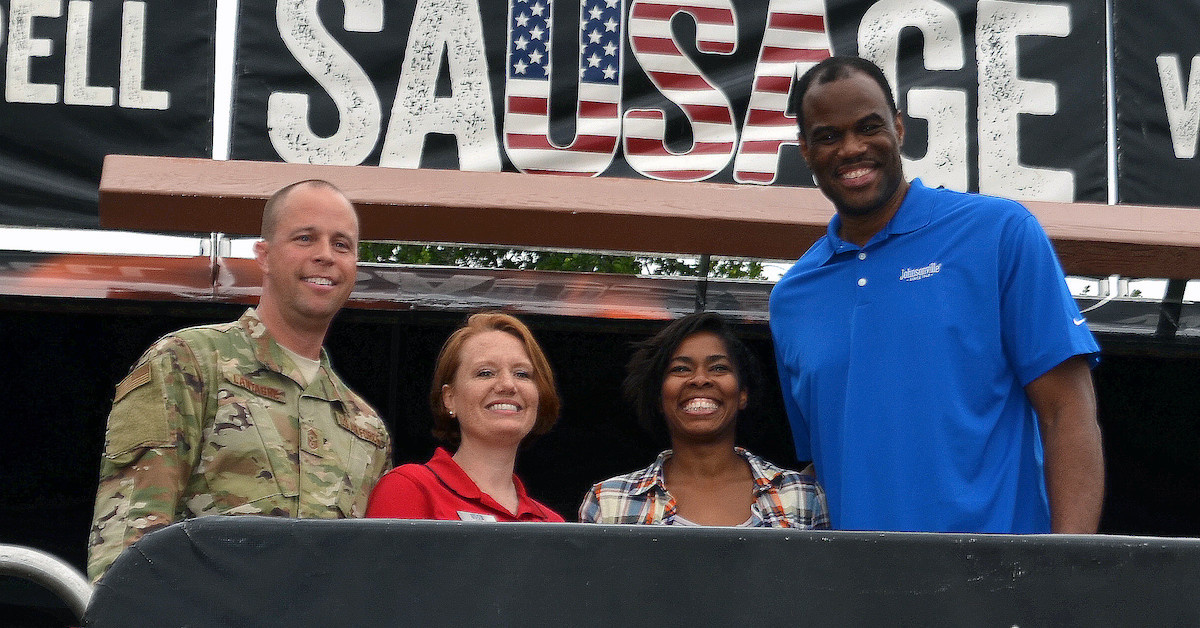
(440, 489)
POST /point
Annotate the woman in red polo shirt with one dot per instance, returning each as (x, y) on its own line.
(492, 388)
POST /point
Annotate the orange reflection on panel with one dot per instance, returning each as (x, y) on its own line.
(105, 276)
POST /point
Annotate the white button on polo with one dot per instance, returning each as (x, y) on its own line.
(862, 281)
(862, 255)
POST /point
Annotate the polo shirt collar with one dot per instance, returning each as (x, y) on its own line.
(461, 484)
(914, 213)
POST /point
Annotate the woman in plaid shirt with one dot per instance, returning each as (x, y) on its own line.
(689, 382)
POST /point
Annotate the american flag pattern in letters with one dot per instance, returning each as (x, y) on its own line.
(527, 102)
(707, 109)
(794, 40)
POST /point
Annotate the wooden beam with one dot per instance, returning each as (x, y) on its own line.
(489, 208)
(1129, 240)
(620, 214)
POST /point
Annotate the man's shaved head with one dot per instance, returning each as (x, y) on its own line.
(278, 200)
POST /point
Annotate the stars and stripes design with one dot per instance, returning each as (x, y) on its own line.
(794, 40)
(707, 108)
(527, 99)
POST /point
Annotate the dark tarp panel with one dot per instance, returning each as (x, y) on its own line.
(240, 571)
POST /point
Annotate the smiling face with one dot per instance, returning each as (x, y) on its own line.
(493, 393)
(309, 259)
(701, 392)
(851, 142)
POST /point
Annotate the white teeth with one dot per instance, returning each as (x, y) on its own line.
(854, 174)
(700, 405)
(320, 281)
(504, 407)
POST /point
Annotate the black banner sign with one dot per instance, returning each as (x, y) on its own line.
(1158, 101)
(682, 90)
(86, 78)
(1002, 97)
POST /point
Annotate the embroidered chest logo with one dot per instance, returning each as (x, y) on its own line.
(917, 274)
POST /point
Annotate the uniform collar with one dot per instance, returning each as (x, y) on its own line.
(272, 356)
(914, 213)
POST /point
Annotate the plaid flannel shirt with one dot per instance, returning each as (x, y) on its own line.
(782, 498)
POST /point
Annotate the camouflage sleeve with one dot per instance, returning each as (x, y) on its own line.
(386, 462)
(151, 446)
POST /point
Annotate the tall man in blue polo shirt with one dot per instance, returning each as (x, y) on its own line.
(933, 364)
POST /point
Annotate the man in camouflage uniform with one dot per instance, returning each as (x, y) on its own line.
(248, 417)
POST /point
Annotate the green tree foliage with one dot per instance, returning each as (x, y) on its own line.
(473, 257)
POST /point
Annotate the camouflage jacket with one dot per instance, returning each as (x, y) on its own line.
(214, 420)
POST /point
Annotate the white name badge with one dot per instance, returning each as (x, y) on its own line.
(474, 516)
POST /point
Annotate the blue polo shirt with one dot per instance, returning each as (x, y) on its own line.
(903, 364)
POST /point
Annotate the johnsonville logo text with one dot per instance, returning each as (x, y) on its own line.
(916, 274)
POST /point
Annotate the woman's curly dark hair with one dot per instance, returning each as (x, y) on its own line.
(642, 388)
